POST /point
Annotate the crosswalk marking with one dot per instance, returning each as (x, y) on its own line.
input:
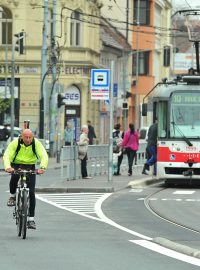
(74, 202)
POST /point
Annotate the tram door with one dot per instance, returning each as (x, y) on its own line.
(72, 115)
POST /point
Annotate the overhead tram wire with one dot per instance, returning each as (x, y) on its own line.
(110, 20)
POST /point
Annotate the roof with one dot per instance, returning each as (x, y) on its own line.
(110, 36)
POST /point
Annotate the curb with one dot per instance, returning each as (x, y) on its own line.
(74, 190)
(143, 182)
(177, 247)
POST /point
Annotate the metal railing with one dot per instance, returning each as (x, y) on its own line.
(97, 163)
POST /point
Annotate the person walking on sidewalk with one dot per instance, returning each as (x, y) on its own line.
(91, 133)
(82, 151)
(22, 153)
(131, 144)
(117, 141)
(151, 148)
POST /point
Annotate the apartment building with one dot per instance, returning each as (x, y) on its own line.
(152, 51)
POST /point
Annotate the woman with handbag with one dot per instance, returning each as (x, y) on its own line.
(82, 151)
(130, 144)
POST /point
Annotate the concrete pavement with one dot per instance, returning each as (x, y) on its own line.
(52, 181)
(98, 183)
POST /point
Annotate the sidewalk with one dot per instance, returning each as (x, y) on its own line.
(99, 183)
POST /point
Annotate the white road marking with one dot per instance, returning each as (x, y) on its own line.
(136, 190)
(167, 252)
(184, 192)
(102, 218)
(78, 203)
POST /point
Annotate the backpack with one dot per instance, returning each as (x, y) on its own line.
(116, 141)
(19, 146)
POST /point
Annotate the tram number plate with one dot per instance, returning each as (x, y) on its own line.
(191, 148)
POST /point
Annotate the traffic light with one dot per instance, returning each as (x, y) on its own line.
(60, 101)
(166, 56)
(128, 94)
(19, 45)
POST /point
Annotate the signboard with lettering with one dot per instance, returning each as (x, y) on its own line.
(72, 96)
(100, 83)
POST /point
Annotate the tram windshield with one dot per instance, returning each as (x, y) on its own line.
(185, 115)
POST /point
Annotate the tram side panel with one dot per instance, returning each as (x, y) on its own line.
(177, 160)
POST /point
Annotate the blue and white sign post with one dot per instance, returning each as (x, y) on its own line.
(102, 89)
(100, 84)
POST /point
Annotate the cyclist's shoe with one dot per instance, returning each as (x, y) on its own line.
(31, 224)
(11, 201)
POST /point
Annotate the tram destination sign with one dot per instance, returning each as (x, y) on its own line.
(186, 98)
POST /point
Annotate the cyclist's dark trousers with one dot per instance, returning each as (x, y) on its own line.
(31, 184)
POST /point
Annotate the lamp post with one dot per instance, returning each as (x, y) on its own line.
(43, 71)
(6, 51)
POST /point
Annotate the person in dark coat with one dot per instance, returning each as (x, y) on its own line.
(91, 133)
(151, 148)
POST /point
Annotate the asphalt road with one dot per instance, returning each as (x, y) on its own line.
(67, 238)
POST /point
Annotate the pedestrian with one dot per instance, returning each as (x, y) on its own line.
(116, 155)
(91, 133)
(69, 134)
(4, 136)
(82, 151)
(22, 153)
(138, 132)
(131, 144)
(151, 148)
(117, 145)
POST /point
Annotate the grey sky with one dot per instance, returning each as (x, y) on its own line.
(186, 3)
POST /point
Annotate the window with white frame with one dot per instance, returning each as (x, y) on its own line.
(5, 26)
(75, 35)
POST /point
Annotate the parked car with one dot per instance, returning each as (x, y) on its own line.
(17, 132)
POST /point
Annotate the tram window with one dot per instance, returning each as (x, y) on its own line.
(162, 116)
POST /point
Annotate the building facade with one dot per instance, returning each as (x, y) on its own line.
(152, 51)
(69, 46)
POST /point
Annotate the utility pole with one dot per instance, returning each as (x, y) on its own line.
(110, 158)
(53, 108)
(12, 109)
(127, 19)
(43, 72)
(137, 68)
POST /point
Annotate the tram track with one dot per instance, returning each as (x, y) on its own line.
(156, 212)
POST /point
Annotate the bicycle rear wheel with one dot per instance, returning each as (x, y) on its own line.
(25, 203)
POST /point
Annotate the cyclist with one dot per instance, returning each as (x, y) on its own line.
(20, 153)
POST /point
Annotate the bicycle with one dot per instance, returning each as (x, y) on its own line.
(21, 210)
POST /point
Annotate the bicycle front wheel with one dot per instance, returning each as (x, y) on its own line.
(25, 203)
(19, 215)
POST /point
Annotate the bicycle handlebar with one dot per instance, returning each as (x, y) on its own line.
(25, 172)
